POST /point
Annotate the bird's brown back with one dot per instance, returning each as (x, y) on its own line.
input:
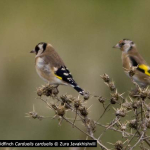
(52, 57)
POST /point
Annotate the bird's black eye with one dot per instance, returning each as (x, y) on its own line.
(121, 44)
(37, 49)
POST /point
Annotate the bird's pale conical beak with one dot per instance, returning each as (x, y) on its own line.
(116, 46)
(33, 51)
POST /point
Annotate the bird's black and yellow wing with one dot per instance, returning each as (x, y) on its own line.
(64, 74)
(144, 68)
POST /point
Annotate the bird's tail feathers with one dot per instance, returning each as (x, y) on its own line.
(79, 90)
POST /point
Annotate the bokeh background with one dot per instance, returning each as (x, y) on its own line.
(83, 33)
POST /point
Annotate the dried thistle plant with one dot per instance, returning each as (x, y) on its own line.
(131, 114)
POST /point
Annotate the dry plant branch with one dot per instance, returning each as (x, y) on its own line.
(133, 130)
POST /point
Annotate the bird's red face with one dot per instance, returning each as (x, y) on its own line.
(125, 45)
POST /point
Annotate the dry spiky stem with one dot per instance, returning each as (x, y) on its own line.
(132, 116)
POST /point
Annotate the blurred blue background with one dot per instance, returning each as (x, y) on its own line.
(83, 33)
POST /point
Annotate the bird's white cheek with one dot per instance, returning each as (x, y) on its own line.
(39, 53)
(126, 48)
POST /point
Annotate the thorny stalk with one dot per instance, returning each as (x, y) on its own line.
(140, 139)
(86, 134)
(133, 129)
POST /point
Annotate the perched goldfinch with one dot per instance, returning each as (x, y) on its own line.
(51, 68)
(131, 58)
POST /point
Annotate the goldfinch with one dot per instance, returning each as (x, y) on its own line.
(131, 58)
(51, 68)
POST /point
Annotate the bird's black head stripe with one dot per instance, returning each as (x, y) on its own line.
(37, 49)
(44, 46)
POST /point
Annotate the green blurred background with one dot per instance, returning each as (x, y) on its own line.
(83, 33)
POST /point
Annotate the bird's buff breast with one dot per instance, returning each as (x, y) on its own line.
(46, 73)
(43, 70)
